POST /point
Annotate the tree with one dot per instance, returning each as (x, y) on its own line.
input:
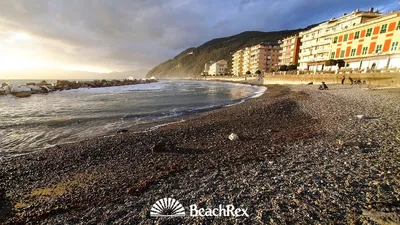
(291, 67)
(247, 74)
(341, 63)
(283, 68)
(226, 71)
(331, 62)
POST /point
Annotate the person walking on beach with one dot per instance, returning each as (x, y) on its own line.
(344, 78)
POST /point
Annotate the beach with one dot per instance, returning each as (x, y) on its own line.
(303, 156)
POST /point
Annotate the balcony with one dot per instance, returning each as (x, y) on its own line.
(323, 50)
(305, 53)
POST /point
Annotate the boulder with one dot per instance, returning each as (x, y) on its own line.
(35, 89)
(21, 91)
(2, 91)
(45, 89)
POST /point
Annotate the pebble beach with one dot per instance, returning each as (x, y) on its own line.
(304, 156)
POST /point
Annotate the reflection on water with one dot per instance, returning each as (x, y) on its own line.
(238, 93)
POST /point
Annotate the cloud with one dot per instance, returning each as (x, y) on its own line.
(129, 35)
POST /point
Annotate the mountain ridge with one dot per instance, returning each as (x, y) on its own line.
(186, 64)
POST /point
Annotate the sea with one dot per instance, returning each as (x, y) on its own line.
(45, 120)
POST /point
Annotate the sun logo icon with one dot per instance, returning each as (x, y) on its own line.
(167, 207)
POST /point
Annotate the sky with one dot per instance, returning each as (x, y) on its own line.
(136, 35)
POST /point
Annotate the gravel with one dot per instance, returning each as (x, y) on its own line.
(302, 157)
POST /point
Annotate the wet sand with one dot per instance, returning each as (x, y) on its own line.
(303, 157)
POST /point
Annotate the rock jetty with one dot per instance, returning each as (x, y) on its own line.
(43, 87)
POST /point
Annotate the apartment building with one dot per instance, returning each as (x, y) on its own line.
(237, 63)
(218, 68)
(290, 49)
(370, 45)
(315, 42)
(207, 66)
(263, 57)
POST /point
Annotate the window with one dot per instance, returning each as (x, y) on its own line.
(353, 52)
(369, 32)
(394, 46)
(378, 48)
(364, 50)
(346, 36)
(383, 28)
(335, 40)
(332, 55)
(342, 54)
(357, 35)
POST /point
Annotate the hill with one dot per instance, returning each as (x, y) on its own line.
(187, 64)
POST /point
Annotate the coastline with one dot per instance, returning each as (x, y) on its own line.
(130, 121)
(303, 157)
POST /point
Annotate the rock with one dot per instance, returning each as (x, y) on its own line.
(45, 89)
(120, 131)
(2, 91)
(163, 146)
(21, 91)
(233, 137)
(35, 89)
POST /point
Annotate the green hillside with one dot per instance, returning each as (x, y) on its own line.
(186, 64)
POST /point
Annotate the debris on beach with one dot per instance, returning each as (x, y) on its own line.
(361, 117)
(233, 137)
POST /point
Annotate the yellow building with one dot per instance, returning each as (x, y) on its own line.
(258, 57)
(237, 63)
(315, 42)
(290, 48)
(372, 44)
(246, 60)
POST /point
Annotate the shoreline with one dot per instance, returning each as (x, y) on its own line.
(140, 127)
(301, 152)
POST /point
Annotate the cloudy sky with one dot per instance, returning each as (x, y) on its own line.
(121, 35)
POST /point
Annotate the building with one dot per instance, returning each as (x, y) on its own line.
(263, 57)
(207, 66)
(237, 63)
(315, 42)
(246, 60)
(218, 68)
(290, 49)
(370, 45)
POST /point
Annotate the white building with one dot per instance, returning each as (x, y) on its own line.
(218, 68)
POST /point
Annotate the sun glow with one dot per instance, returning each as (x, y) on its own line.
(22, 52)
